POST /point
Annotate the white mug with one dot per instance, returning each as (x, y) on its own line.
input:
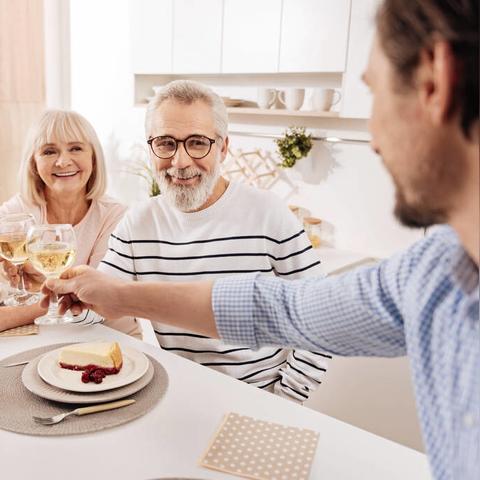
(325, 98)
(292, 98)
(266, 97)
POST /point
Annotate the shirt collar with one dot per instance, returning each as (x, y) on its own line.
(465, 271)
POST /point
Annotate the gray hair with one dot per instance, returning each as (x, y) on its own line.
(188, 92)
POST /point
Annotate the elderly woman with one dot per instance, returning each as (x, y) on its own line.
(63, 180)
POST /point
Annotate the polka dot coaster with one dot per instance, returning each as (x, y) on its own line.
(255, 449)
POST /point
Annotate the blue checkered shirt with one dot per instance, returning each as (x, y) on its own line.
(422, 303)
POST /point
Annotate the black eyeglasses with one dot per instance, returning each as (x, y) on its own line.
(196, 146)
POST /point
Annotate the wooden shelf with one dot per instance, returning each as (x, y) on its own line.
(280, 112)
(271, 112)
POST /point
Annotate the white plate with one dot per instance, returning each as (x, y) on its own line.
(32, 382)
(135, 365)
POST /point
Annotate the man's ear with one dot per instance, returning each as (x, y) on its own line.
(436, 78)
(224, 150)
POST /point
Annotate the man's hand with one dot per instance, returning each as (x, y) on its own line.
(32, 278)
(186, 305)
(85, 288)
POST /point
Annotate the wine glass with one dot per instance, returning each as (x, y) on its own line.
(51, 249)
(13, 237)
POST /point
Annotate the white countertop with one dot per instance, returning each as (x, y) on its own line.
(169, 440)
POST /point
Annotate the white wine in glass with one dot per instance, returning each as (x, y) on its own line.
(51, 250)
(52, 258)
(13, 238)
(12, 247)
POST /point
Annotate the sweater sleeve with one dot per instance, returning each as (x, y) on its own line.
(17, 205)
(12, 205)
(295, 258)
(99, 251)
(292, 256)
(302, 374)
(118, 262)
(112, 214)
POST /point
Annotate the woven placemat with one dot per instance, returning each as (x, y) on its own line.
(30, 329)
(18, 405)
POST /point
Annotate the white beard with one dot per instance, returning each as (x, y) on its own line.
(188, 198)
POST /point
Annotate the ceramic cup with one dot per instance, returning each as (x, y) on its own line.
(266, 97)
(292, 98)
(324, 98)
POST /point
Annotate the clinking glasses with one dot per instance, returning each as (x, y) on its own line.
(196, 146)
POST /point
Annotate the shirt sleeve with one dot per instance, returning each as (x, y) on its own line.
(358, 313)
(119, 260)
(291, 259)
(293, 255)
(302, 373)
(87, 317)
(112, 217)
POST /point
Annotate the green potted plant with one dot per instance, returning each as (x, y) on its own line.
(140, 165)
(144, 170)
(294, 145)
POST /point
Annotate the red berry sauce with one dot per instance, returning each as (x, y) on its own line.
(92, 373)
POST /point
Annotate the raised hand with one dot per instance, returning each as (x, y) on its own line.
(83, 288)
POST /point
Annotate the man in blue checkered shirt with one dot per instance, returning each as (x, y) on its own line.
(424, 303)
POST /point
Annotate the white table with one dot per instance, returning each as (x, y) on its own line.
(335, 261)
(170, 439)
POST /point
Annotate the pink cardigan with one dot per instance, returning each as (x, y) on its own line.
(92, 232)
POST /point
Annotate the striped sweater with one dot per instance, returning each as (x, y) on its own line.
(246, 230)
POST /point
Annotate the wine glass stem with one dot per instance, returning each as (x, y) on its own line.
(53, 305)
(21, 282)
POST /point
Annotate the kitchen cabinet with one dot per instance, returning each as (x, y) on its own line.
(151, 35)
(356, 96)
(197, 36)
(239, 36)
(281, 38)
(251, 36)
(314, 35)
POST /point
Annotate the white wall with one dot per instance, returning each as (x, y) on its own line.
(374, 394)
(57, 53)
(102, 86)
(345, 185)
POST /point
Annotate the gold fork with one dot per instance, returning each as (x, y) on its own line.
(83, 411)
(15, 364)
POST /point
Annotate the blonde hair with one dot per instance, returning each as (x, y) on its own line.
(60, 126)
(188, 92)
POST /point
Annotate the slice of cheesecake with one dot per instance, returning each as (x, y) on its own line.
(87, 356)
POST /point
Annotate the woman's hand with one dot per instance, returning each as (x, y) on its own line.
(32, 278)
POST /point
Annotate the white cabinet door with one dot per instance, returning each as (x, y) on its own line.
(356, 97)
(314, 35)
(251, 34)
(197, 36)
(151, 35)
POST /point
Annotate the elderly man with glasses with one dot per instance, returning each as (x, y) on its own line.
(203, 227)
